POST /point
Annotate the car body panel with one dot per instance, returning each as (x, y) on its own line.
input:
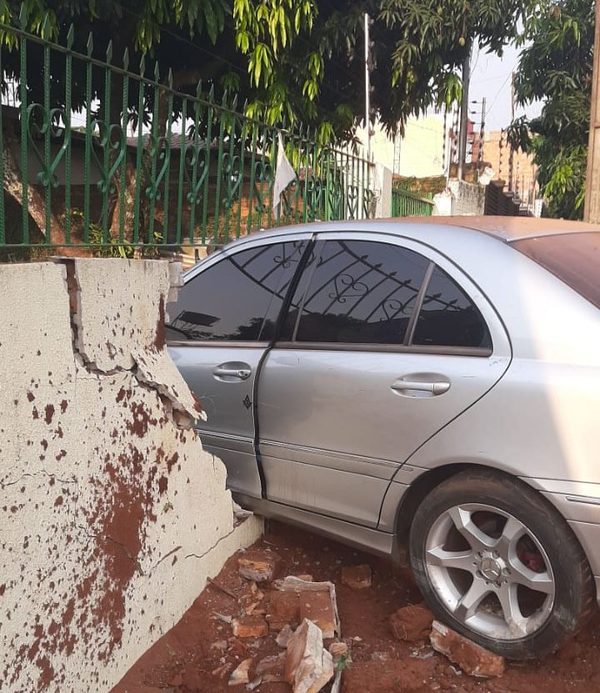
(331, 426)
(534, 415)
(228, 431)
(356, 431)
(228, 400)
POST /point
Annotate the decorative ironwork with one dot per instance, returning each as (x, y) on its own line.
(143, 155)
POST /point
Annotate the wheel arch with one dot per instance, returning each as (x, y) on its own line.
(426, 482)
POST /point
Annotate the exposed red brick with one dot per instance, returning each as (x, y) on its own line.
(411, 623)
(470, 657)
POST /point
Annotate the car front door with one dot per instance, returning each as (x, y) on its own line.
(220, 327)
(384, 344)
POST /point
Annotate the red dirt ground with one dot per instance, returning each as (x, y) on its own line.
(188, 658)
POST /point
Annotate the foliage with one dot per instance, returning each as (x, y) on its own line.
(418, 48)
(556, 68)
(293, 61)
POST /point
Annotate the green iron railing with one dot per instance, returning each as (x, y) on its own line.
(97, 155)
(405, 204)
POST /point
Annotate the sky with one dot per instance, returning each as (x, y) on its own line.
(490, 78)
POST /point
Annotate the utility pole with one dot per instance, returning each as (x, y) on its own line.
(368, 85)
(481, 136)
(592, 181)
(511, 151)
(464, 114)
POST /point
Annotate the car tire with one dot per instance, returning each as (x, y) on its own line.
(518, 592)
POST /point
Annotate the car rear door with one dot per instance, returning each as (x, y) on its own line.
(385, 343)
(220, 327)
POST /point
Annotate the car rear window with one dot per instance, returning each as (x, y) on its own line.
(572, 257)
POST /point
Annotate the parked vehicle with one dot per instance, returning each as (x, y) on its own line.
(428, 387)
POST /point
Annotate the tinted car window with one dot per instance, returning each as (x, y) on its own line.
(238, 298)
(572, 257)
(358, 292)
(448, 317)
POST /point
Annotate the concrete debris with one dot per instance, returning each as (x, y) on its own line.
(258, 567)
(220, 673)
(337, 684)
(284, 635)
(240, 675)
(254, 684)
(239, 512)
(252, 601)
(308, 666)
(341, 658)
(271, 669)
(358, 577)
(323, 608)
(338, 650)
(470, 657)
(306, 578)
(253, 626)
(411, 623)
(222, 617)
(255, 608)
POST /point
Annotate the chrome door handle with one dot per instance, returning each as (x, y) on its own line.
(437, 388)
(236, 373)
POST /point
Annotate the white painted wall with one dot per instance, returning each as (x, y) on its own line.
(383, 190)
(420, 152)
(467, 198)
(112, 516)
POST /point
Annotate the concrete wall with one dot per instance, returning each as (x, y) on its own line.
(420, 152)
(383, 191)
(112, 516)
(467, 198)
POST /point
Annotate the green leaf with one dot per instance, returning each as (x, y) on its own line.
(212, 24)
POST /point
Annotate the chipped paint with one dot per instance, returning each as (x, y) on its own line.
(111, 514)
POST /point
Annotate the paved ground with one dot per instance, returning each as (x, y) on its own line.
(199, 653)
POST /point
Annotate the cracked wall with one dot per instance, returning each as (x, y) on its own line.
(111, 515)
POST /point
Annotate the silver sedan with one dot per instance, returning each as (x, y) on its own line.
(427, 389)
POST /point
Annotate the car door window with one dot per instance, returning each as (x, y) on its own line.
(238, 298)
(448, 317)
(360, 292)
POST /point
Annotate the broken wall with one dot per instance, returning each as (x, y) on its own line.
(111, 515)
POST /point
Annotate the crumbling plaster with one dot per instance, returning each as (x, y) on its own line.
(111, 514)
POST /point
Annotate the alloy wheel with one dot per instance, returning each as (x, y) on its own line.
(490, 571)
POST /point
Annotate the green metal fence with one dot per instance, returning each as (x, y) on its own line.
(100, 153)
(405, 204)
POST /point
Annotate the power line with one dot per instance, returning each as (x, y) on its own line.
(498, 93)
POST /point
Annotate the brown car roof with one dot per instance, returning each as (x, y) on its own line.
(508, 229)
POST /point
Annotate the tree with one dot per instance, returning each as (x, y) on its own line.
(417, 52)
(289, 62)
(301, 60)
(556, 68)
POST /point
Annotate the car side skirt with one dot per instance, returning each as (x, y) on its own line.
(365, 538)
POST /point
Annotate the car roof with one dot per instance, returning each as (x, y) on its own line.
(505, 229)
(508, 229)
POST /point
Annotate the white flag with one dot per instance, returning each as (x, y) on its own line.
(284, 175)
